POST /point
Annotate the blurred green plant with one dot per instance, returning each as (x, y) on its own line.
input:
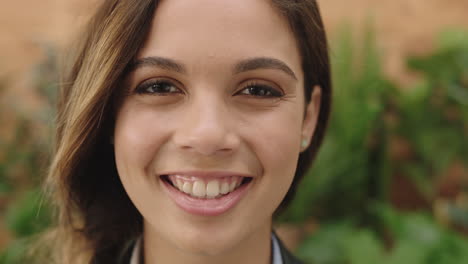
(433, 116)
(23, 161)
(354, 168)
(417, 239)
(25, 217)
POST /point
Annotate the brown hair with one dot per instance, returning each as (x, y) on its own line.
(306, 23)
(96, 219)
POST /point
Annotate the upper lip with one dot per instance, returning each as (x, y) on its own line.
(207, 174)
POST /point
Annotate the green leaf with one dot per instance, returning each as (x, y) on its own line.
(28, 215)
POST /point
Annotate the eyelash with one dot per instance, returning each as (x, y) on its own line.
(152, 84)
(253, 86)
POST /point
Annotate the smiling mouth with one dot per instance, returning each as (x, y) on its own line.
(206, 189)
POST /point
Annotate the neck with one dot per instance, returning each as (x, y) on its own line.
(255, 248)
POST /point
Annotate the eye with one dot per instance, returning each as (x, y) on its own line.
(260, 90)
(158, 87)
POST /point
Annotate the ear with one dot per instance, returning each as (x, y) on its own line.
(311, 117)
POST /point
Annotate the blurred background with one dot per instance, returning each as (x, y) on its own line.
(390, 184)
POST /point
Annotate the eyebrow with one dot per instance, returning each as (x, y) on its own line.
(160, 62)
(263, 63)
(245, 65)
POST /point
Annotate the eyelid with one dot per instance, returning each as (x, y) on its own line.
(260, 82)
(160, 79)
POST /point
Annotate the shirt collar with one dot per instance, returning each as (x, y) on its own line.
(135, 259)
(275, 249)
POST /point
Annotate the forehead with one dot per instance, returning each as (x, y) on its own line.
(221, 30)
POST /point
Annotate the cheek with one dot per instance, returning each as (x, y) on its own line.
(276, 141)
(136, 140)
(280, 149)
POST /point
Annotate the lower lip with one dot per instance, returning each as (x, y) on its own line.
(205, 207)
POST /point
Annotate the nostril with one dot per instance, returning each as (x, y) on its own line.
(206, 139)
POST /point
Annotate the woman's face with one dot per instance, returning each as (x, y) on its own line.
(208, 136)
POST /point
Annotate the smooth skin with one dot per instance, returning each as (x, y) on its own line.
(218, 87)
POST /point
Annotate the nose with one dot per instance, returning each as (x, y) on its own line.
(206, 129)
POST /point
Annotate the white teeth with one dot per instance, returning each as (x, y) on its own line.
(232, 185)
(179, 184)
(224, 188)
(187, 187)
(199, 189)
(238, 182)
(212, 189)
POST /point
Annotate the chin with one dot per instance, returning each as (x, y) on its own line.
(201, 243)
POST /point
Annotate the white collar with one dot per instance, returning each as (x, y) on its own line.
(276, 252)
(135, 259)
(275, 249)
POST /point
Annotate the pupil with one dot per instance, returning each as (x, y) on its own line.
(257, 91)
(158, 87)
